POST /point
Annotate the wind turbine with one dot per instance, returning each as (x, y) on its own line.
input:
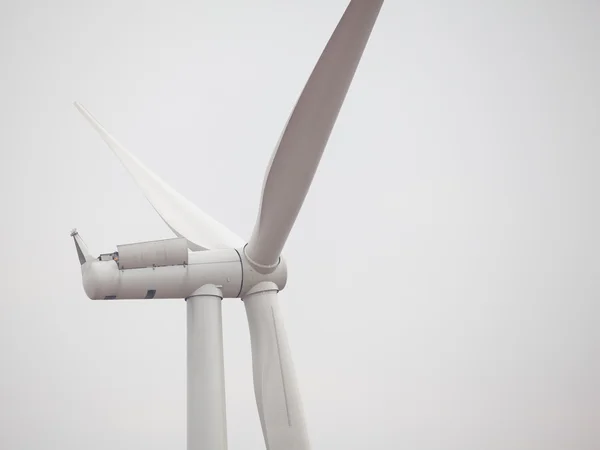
(207, 262)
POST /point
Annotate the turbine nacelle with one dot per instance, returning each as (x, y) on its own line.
(166, 269)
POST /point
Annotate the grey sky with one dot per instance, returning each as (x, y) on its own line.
(443, 289)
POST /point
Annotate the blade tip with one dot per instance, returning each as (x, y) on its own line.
(79, 106)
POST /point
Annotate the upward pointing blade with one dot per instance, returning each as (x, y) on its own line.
(182, 216)
(297, 156)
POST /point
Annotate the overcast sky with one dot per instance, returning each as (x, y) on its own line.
(444, 283)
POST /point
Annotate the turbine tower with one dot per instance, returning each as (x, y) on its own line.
(206, 262)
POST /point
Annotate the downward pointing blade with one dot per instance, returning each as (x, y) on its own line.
(182, 216)
(277, 395)
(297, 156)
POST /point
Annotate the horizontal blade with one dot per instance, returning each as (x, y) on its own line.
(183, 217)
(301, 146)
(277, 395)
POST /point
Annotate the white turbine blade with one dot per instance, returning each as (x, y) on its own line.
(182, 216)
(277, 395)
(297, 156)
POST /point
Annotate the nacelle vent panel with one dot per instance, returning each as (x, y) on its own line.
(167, 252)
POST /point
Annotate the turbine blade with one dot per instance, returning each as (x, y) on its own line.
(183, 217)
(277, 395)
(301, 145)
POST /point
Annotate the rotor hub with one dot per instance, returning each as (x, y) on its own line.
(253, 273)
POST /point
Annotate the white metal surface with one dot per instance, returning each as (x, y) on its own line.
(103, 279)
(181, 215)
(253, 275)
(206, 421)
(295, 160)
(228, 269)
(166, 252)
(275, 386)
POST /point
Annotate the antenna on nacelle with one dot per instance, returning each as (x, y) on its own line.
(82, 251)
